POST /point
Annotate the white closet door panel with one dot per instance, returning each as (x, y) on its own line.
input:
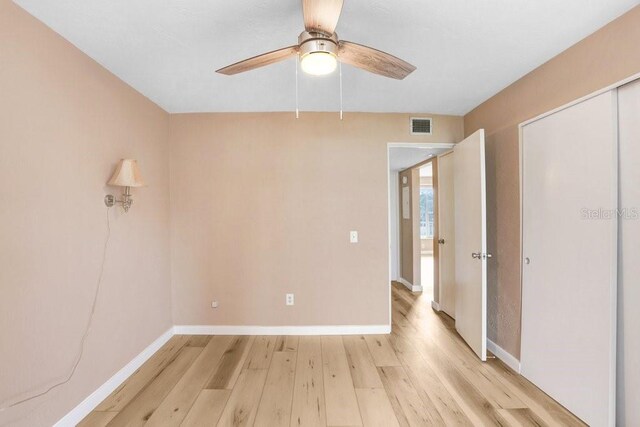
(568, 295)
(629, 273)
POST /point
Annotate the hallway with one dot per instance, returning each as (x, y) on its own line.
(421, 374)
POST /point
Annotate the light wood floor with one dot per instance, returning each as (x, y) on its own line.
(421, 374)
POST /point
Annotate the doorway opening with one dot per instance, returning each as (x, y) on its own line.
(413, 211)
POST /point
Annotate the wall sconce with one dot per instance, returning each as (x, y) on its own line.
(127, 175)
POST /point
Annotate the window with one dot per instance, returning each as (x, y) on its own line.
(426, 213)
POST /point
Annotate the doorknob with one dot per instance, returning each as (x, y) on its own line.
(480, 255)
(441, 241)
(527, 261)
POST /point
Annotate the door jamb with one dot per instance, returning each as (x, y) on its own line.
(446, 153)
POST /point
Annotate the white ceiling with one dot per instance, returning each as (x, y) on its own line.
(465, 50)
(401, 158)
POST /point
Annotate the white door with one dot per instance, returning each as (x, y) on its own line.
(446, 235)
(569, 196)
(471, 242)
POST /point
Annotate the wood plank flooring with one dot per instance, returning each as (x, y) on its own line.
(421, 374)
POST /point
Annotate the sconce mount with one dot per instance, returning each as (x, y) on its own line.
(126, 202)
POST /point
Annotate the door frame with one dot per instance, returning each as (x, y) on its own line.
(417, 244)
(390, 205)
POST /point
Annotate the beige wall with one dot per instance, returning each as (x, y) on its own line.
(64, 123)
(410, 229)
(262, 205)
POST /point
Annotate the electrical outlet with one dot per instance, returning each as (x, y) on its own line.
(289, 299)
(353, 236)
(214, 304)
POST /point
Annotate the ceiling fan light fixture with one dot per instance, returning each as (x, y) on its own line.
(319, 63)
(319, 48)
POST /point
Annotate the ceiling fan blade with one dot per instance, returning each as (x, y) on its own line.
(321, 15)
(373, 60)
(259, 61)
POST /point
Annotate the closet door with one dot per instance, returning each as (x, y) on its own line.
(629, 273)
(569, 197)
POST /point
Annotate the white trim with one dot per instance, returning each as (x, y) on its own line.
(503, 355)
(435, 145)
(435, 306)
(409, 285)
(94, 399)
(521, 203)
(281, 330)
(389, 225)
(616, 255)
(485, 250)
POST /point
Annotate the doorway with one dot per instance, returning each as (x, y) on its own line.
(406, 224)
(414, 230)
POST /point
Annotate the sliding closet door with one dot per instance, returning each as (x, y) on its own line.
(629, 273)
(569, 250)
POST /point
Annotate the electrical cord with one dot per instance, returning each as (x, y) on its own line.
(84, 335)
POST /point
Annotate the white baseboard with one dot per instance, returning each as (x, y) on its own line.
(282, 330)
(409, 285)
(87, 405)
(503, 355)
(435, 306)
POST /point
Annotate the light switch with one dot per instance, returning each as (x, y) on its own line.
(353, 236)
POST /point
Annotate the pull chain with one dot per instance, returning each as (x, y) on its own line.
(340, 66)
(297, 105)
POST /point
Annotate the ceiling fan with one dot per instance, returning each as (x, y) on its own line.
(319, 48)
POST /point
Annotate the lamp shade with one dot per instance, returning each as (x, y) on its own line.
(127, 174)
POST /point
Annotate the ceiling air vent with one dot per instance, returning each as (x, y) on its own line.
(420, 126)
